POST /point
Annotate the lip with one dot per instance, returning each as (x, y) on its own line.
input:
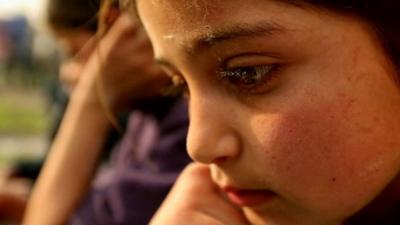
(248, 197)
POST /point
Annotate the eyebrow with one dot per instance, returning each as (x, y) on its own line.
(218, 35)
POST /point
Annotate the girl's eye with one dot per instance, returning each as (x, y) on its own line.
(177, 88)
(248, 77)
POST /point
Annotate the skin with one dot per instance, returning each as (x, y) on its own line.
(181, 205)
(78, 45)
(122, 80)
(127, 72)
(321, 130)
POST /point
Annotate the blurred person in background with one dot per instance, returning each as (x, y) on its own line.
(109, 73)
(73, 26)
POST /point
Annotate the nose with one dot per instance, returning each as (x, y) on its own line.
(211, 136)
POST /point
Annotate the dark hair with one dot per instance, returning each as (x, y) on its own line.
(72, 14)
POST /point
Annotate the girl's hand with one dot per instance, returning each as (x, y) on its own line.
(196, 200)
(127, 70)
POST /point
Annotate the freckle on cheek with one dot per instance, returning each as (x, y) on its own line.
(305, 135)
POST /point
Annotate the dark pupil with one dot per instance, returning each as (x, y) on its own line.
(246, 75)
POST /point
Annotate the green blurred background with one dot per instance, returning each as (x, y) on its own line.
(28, 68)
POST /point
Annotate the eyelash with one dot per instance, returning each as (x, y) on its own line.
(177, 88)
(249, 79)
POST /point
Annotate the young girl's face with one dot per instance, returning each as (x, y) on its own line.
(295, 108)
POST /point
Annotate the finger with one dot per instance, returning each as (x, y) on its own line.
(124, 24)
(212, 203)
(196, 198)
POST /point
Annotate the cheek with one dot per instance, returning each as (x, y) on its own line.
(323, 154)
(301, 142)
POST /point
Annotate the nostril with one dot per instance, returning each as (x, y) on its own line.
(220, 160)
(228, 146)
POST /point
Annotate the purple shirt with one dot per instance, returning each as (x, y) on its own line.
(142, 169)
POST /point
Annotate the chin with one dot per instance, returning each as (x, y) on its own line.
(278, 217)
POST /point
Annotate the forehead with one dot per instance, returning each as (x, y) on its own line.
(183, 21)
(183, 15)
